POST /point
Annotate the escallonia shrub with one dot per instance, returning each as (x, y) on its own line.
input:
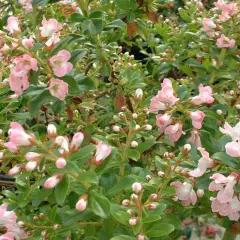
(119, 120)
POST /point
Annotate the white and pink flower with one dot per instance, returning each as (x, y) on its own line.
(49, 27)
(225, 42)
(58, 88)
(205, 96)
(174, 131)
(103, 151)
(13, 25)
(197, 119)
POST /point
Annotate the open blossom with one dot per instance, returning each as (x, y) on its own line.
(233, 149)
(18, 136)
(197, 118)
(58, 88)
(163, 121)
(13, 24)
(225, 42)
(164, 98)
(203, 164)
(53, 40)
(49, 27)
(27, 4)
(25, 63)
(233, 132)
(11, 147)
(208, 27)
(18, 81)
(205, 95)
(228, 10)
(60, 64)
(185, 193)
(174, 131)
(103, 151)
(27, 42)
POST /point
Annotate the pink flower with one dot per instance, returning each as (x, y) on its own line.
(233, 149)
(225, 42)
(76, 141)
(163, 121)
(27, 4)
(185, 193)
(208, 27)
(58, 88)
(203, 164)
(31, 165)
(18, 81)
(32, 156)
(81, 204)
(18, 136)
(174, 132)
(233, 132)
(205, 96)
(51, 130)
(61, 163)
(103, 151)
(53, 40)
(60, 64)
(49, 27)
(156, 105)
(195, 138)
(13, 25)
(28, 42)
(11, 147)
(197, 118)
(52, 181)
(25, 63)
(7, 236)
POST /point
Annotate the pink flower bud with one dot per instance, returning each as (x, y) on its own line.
(197, 119)
(153, 197)
(126, 203)
(200, 193)
(14, 170)
(27, 42)
(161, 174)
(62, 142)
(139, 94)
(52, 181)
(134, 144)
(133, 221)
(148, 177)
(134, 197)
(152, 206)
(137, 187)
(81, 204)
(31, 156)
(131, 212)
(61, 163)
(52, 131)
(140, 237)
(76, 141)
(103, 151)
(31, 165)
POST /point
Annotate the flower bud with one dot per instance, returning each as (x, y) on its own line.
(134, 116)
(153, 197)
(171, 155)
(232, 92)
(148, 177)
(200, 193)
(175, 199)
(32, 156)
(76, 141)
(152, 206)
(82, 203)
(148, 127)
(1, 131)
(52, 131)
(116, 128)
(42, 215)
(15, 170)
(56, 226)
(187, 147)
(103, 151)
(52, 181)
(31, 165)
(137, 127)
(43, 233)
(35, 218)
(219, 112)
(140, 237)
(134, 197)
(133, 221)
(137, 187)
(134, 144)
(126, 203)
(161, 174)
(131, 212)
(237, 106)
(61, 163)
(20, 224)
(1, 155)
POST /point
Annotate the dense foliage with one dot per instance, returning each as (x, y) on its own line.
(119, 119)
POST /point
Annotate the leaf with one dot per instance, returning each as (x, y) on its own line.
(85, 83)
(88, 176)
(133, 154)
(226, 159)
(83, 155)
(159, 230)
(39, 100)
(144, 146)
(92, 26)
(41, 196)
(99, 204)
(118, 23)
(76, 55)
(123, 237)
(61, 190)
(184, 15)
(72, 84)
(151, 218)
(73, 216)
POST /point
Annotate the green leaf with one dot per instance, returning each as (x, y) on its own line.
(118, 23)
(83, 155)
(92, 26)
(226, 159)
(151, 218)
(123, 237)
(72, 84)
(73, 216)
(133, 154)
(159, 230)
(144, 146)
(76, 55)
(88, 176)
(61, 190)
(99, 204)
(184, 15)
(85, 83)
(39, 100)
(41, 196)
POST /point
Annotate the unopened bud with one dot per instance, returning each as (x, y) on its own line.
(41, 215)
(21, 224)
(15, 170)
(134, 144)
(238, 106)
(56, 226)
(152, 206)
(134, 197)
(35, 218)
(76, 141)
(131, 212)
(31, 165)
(200, 193)
(133, 221)
(126, 203)
(52, 131)
(43, 233)
(137, 187)
(1, 131)
(187, 147)
(153, 197)
(1, 155)
(175, 199)
(137, 127)
(60, 163)
(82, 203)
(140, 237)
(219, 112)
(148, 177)
(171, 155)
(161, 174)
(232, 92)
(134, 116)
(116, 128)
(139, 94)
(148, 127)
